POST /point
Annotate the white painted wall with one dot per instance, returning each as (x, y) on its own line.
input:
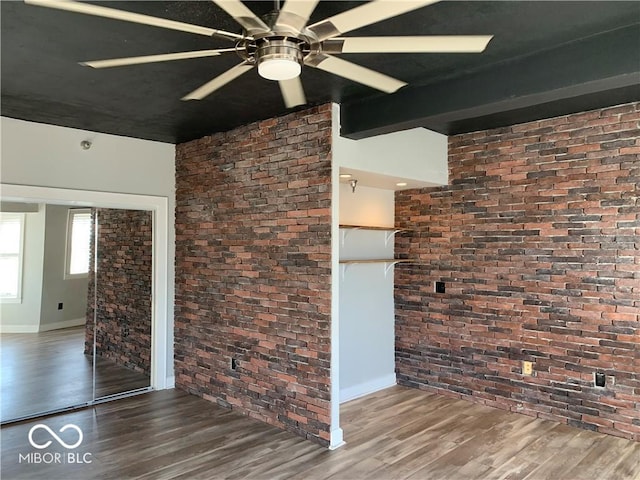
(367, 340)
(366, 305)
(18, 207)
(72, 293)
(48, 156)
(417, 154)
(24, 317)
(374, 207)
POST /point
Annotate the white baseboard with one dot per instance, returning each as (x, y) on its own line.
(362, 389)
(18, 328)
(75, 322)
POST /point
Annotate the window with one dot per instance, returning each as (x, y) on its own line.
(78, 242)
(11, 251)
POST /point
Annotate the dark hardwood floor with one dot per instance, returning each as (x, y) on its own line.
(398, 433)
(44, 371)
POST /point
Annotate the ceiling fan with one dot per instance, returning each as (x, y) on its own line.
(281, 43)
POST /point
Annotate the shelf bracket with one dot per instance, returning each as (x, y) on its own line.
(343, 270)
(386, 263)
(345, 231)
(389, 266)
(389, 235)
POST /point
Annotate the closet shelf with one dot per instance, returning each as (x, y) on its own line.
(391, 231)
(390, 262)
(364, 227)
(378, 260)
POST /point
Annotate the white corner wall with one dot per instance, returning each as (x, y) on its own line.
(367, 321)
(417, 154)
(362, 304)
(366, 305)
(40, 155)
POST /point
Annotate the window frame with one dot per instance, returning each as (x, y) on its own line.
(22, 220)
(68, 244)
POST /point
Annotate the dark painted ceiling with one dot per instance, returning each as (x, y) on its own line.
(547, 58)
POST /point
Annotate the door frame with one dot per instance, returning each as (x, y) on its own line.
(159, 206)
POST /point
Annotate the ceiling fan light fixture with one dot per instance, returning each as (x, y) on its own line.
(279, 59)
(279, 69)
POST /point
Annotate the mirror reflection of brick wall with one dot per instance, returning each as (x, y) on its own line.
(124, 276)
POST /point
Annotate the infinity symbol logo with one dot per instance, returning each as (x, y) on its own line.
(53, 434)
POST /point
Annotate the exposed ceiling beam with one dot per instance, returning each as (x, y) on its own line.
(599, 69)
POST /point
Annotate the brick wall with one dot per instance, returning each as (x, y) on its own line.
(253, 269)
(538, 240)
(124, 280)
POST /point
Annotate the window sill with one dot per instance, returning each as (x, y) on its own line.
(75, 276)
(4, 300)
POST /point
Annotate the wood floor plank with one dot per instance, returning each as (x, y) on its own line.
(398, 433)
(599, 461)
(574, 450)
(628, 465)
(417, 460)
(512, 469)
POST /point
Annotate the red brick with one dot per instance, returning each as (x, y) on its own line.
(256, 277)
(537, 268)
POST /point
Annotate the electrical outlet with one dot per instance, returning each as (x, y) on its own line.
(527, 368)
(234, 364)
(60, 306)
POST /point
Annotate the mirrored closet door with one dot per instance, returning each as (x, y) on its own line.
(75, 286)
(121, 307)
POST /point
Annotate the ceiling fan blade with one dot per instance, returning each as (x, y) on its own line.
(370, 12)
(423, 44)
(354, 72)
(89, 9)
(295, 14)
(292, 92)
(241, 14)
(221, 80)
(166, 57)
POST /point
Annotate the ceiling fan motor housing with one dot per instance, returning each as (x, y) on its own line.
(278, 58)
